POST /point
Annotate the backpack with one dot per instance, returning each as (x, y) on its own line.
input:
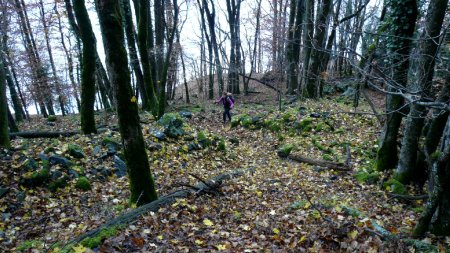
(229, 102)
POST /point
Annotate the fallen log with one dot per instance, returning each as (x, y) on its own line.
(408, 197)
(321, 163)
(43, 134)
(157, 204)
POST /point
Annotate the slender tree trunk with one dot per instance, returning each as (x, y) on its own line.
(308, 39)
(402, 32)
(131, 42)
(88, 70)
(141, 182)
(18, 110)
(52, 62)
(293, 43)
(4, 136)
(142, 10)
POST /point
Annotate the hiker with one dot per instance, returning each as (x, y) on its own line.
(228, 103)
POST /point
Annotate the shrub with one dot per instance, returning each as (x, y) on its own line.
(83, 184)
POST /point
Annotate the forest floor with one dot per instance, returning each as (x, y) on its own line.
(278, 205)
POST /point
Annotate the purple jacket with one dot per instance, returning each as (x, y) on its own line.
(226, 101)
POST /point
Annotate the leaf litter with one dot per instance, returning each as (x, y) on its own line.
(279, 206)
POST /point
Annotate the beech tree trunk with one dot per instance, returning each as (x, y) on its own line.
(141, 182)
(407, 170)
(402, 29)
(88, 68)
(4, 137)
(293, 43)
(318, 46)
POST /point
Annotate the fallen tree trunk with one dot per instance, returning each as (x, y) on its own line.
(157, 204)
(42, 134)
(321, 163)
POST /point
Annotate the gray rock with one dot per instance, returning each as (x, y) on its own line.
(76, 153)
(121, 167)
(186, 114)
(158, 135)
(97, 150)
(56, 174)
(56, 159)
(3, 191)
(73, 173)
(153, 146)
(111, 149)
(43, 156)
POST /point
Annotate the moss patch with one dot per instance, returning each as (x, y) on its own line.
(83, 184)
(395, 187)
(285, 150)
(95, 241)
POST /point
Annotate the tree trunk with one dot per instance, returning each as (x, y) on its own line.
(69, 60)
(142, 10)
(88, 68)
(160, 27)
(11, 122)
(318, 46)
(131, 42)
(4, 137)
(402, 31)
(293, 43)
(308, 39)
(52, 62)
(141, 182)
(407, 170)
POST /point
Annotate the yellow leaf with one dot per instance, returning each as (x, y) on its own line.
(338, 209)
(133, 99)
(276, 231)
(199, 242)
(208, 222)
(258, 193)
(221, 247)
(303, 238)
(307, 205)
(353, 234)
(79, 249)
(160, 237)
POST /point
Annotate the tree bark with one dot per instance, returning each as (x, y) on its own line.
(407, 170)
(58, 85)
(131, 42)
(293, 43)
(4, 137)
(318, 46)
(88, 67)
(404, 16)
(141, 181)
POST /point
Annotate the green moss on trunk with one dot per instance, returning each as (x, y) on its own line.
(88, 68)
(141, 181)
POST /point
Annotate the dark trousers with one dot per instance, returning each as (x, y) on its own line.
(226, 113)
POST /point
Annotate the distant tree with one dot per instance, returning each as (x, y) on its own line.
(234, 13)
(88, 68)
(293, 43)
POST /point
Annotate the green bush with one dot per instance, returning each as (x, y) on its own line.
(274, 126)
(83, 184)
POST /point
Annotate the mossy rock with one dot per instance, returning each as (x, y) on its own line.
(75, 151)
(221, 145)
(395, 187)
(173, 125)
(58, 183)
(367, 177)
(203, 139)
(246, 121)
(321, 126)
(36, 178)
(52, 118)
(111, 141)
(285, 150)
(83, 184)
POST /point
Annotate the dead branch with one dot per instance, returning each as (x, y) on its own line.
(43, 134)
(321, 163)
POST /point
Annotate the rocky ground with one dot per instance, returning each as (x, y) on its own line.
(55, 189)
